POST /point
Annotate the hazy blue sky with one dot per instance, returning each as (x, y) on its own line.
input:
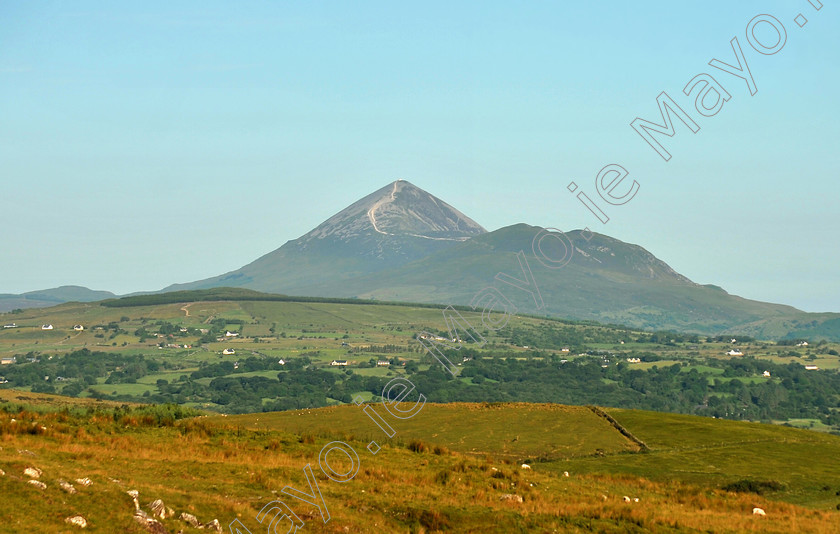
(147, 143)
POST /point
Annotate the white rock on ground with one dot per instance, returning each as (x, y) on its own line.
(152, 525)
(134, 494)
(32, 472)
(77, 520)
(84, 481)
(158, 508)
(38, 484)
(190, 519)
(67, 487)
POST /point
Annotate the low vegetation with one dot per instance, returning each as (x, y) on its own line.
(231, 467)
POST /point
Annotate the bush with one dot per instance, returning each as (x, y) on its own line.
(416, 445)
(753, 486)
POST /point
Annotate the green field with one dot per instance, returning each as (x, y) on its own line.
(448, 469)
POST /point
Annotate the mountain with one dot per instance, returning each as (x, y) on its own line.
(393, 226)
(606, 280)
(401, 243)
(51, 297)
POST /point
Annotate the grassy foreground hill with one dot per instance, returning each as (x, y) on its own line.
(437, 474)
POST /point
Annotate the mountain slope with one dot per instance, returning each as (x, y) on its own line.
(606, 280)
(393, 226)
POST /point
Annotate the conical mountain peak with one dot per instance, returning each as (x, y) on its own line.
(400, 209)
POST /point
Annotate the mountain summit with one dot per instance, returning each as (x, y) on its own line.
(388, 228)
(399, 209)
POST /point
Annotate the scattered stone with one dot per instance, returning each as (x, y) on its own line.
(565, 474)
(158, 508)
(635, 499)
(2, 473)
(214, 526)
(77, 520)
(526, 466)
(603, 497)
(190, 519)
(26, 452)
(67, 487)
(149, 523)
(758, 511)
(32, 472)
(85, 482)
(170, 512)
(134, 494)
(38, 484)
(511, 497)
(626, 498)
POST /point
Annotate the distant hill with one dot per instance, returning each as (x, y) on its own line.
(50, 297)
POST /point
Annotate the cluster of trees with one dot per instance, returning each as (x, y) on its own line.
(739, 392)
(83, 366)
(733, 388)
(556, 335)
(297, 387)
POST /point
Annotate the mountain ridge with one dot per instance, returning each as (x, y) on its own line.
(400, 243)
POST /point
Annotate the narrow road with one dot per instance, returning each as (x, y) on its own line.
(372, 211)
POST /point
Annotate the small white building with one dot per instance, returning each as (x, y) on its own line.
(228, 352)
(78, 328)
(47, 327)
(735, 352)
(339, 363)
(766, 374)
(281, 361)
(383, 363)
(10, 325)
(231, 334)
(811, 368)
(802, 344)
(7, 361)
